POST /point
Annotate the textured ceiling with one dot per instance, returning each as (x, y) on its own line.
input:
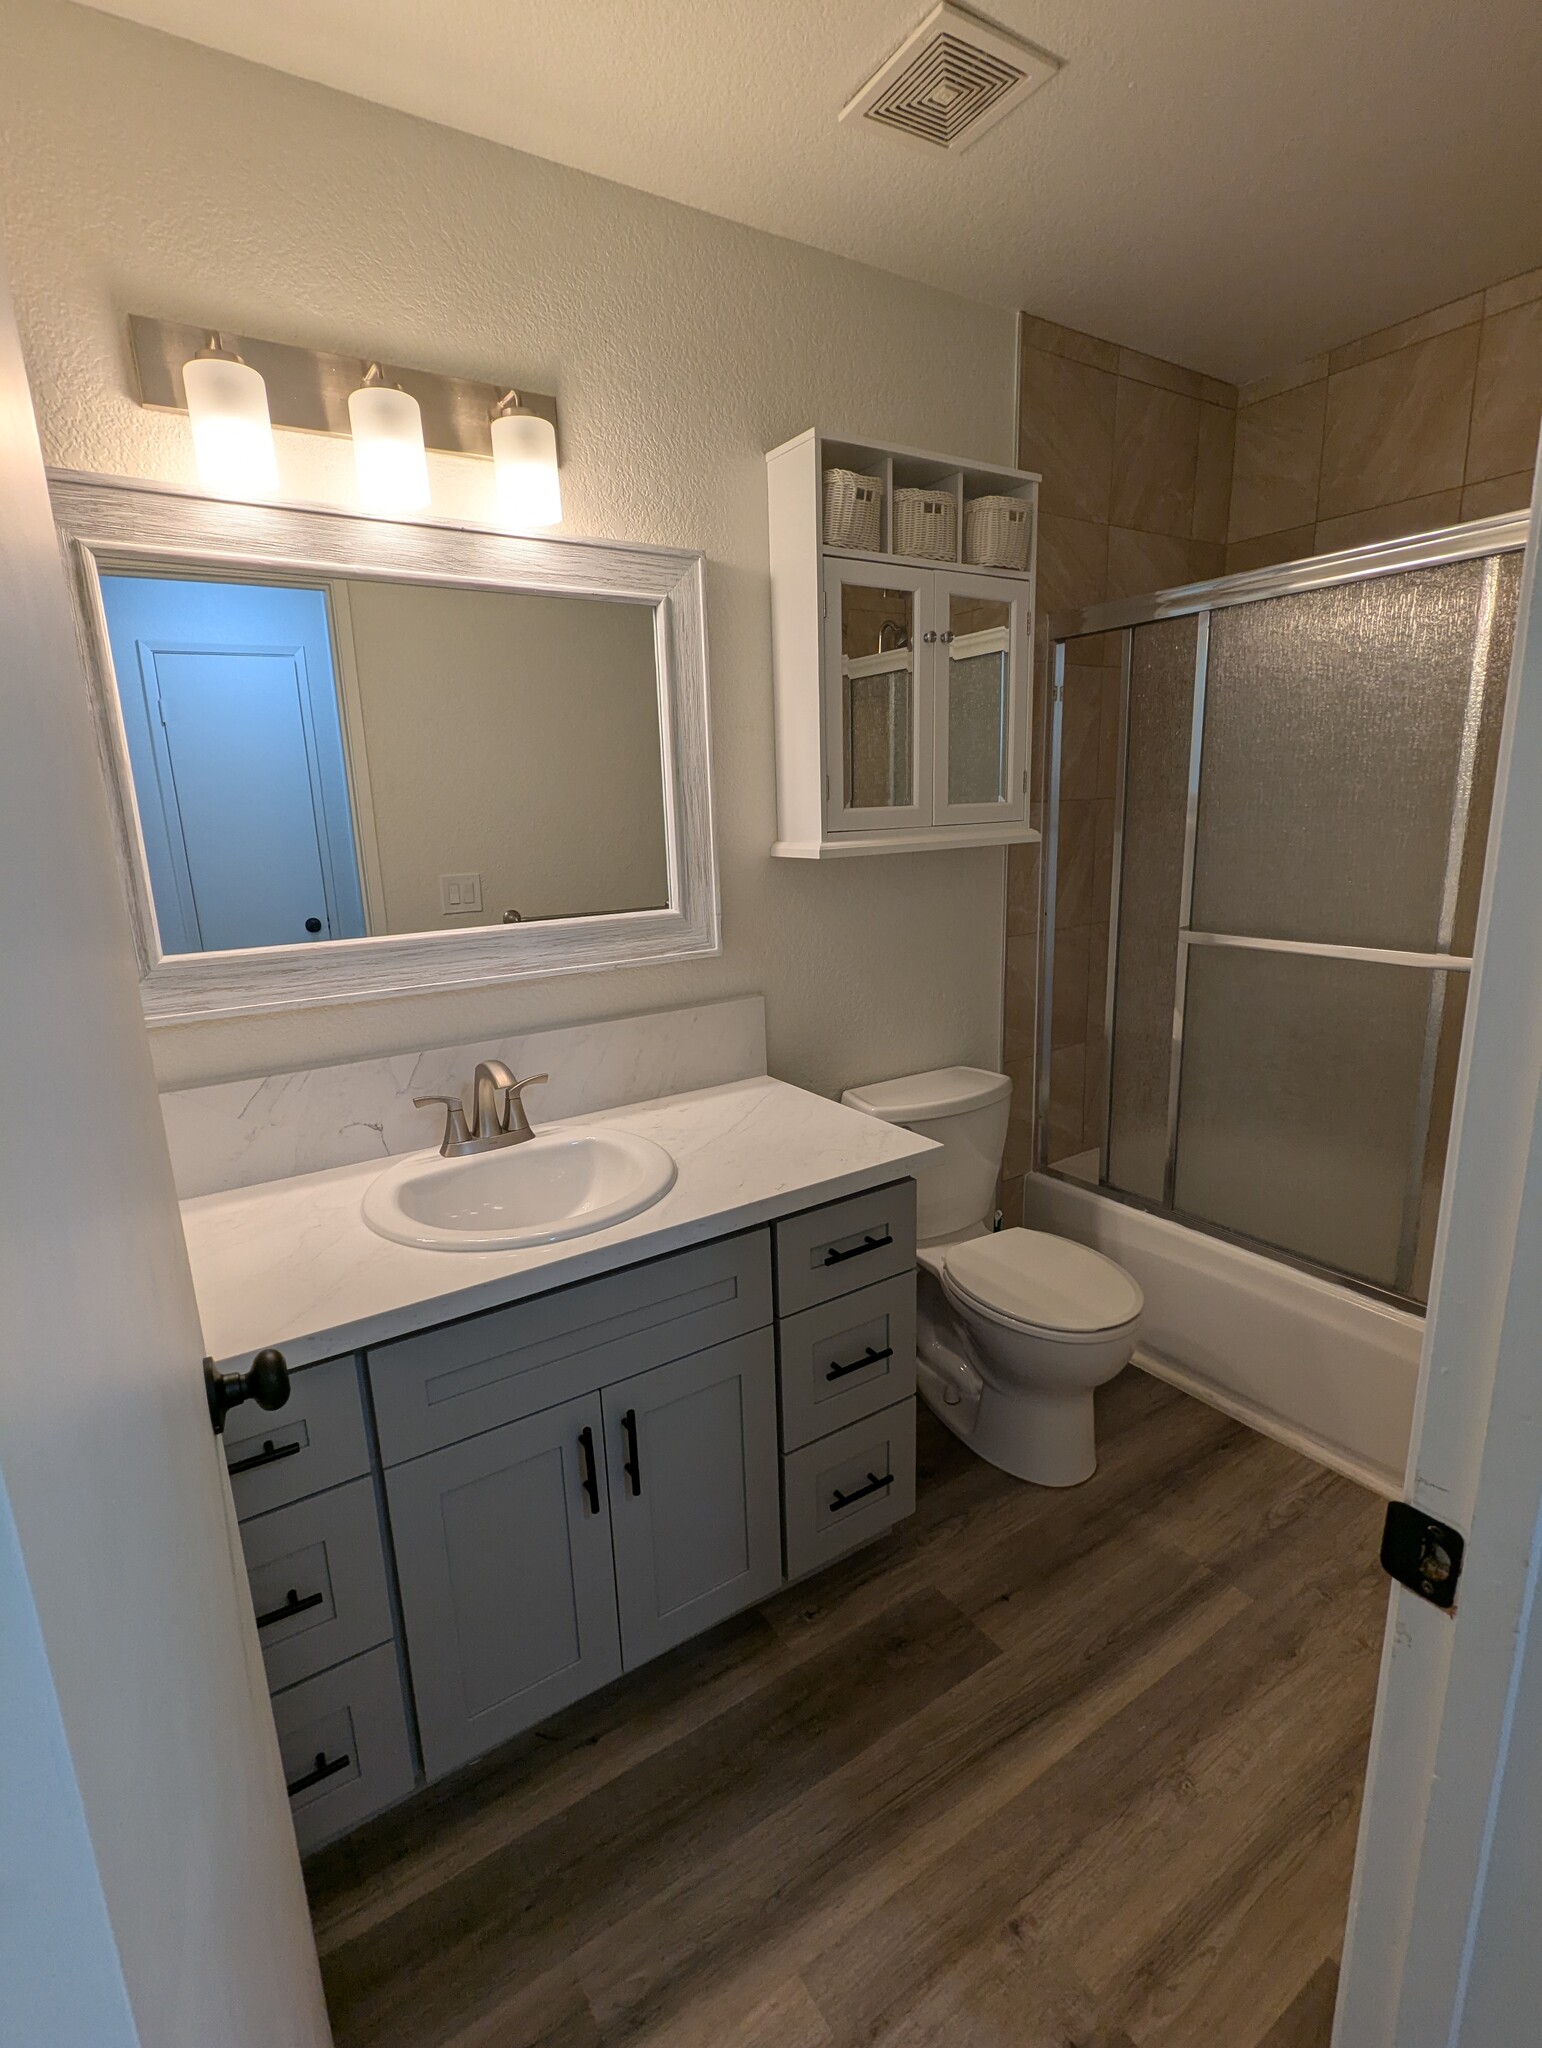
(1232, 185)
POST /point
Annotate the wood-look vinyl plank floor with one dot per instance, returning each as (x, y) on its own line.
(1040, 1770)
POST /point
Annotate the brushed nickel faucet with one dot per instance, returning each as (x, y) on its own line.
(489, 1125)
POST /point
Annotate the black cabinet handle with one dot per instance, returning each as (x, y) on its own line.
(265, 1381)
(874, 1485)
(590, 1478)
(324, 1769)
(868, 1244)
(630, 1465)
(870, 1357)
(268, 1455)
(293, 1604)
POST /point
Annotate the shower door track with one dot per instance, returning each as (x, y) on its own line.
(1476, 539)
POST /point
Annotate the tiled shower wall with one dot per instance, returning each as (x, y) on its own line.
(1155, 475)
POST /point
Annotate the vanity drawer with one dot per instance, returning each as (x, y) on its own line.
(456, 1382)
(845, 1245)
(829, 1500)
(847, 1358)
(345, 1747)
(314, 1441)
(317, 1573)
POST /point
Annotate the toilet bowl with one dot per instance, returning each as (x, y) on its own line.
(1016, 1329)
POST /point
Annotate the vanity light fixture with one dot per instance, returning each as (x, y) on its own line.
(388, 446)
(227, 403)
(525, 465)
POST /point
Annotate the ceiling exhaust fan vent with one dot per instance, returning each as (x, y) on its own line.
(951, 80)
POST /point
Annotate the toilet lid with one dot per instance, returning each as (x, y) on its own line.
(1048, 1282)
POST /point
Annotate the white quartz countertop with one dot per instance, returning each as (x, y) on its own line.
(292, 1262)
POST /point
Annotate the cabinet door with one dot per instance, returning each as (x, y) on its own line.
(504, 1557)
(691, 1449)
(980, 699)
(877, 710)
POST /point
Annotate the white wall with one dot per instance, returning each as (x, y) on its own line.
(514, 736)
(138, 173)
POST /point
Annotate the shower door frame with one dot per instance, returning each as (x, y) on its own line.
(1504, 534)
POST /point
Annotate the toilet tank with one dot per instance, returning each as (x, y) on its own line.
(965, 1110)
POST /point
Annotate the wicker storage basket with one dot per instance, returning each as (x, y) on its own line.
(997, 532)
(926, 525)
(853, 510)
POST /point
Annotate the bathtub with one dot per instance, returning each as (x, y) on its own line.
(1328, 1371)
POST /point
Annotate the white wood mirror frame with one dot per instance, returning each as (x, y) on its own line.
(106, 516)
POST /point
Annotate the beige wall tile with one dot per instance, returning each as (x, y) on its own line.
(1156, 452)
(1109, 735)
(1278, 460)
(1268, 548)
(1139, 563)
(1507, 394)
(1021, 1032)
(1439, 320)
(1010, 1200)
(1066, 433)
(1388, 522)
(1073, 564)
(1497, 494)
(1022, 891)
(1018, 1157)
(1312, 371)
(1396, 428)
(1068, 992)
(1081, 714)
(1069, 341)
(1212, 472)
(1515, 291)
(1102, 856)
(1174, 377)
(1067, 1081)
(1097, 982)
(1075, 889)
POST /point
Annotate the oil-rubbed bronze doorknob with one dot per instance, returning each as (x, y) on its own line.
(265, 1381)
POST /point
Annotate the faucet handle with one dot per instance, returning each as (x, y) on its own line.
(515, 1120)
(456, 1130)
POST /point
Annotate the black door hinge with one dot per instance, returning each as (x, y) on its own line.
(1421, 1553)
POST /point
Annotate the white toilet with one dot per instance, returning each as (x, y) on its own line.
(1016, 1328)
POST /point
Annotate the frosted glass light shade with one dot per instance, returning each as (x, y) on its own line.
(525, 464)
(388, 448)
(227, 403)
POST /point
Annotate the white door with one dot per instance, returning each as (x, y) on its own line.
(980, 700)
(1443, 1947)
(878, 646)
(152, 1889)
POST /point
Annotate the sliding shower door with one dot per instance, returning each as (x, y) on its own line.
(1298, 828)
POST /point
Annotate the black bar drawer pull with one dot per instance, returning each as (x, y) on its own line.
(630, 1464)
(590, 1480)
(268, 1455)
(874, 1485)
(324, 1769)
(868, 1244)
(870, 1357)
(293, 1604)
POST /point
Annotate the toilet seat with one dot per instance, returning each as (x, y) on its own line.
(1031, 1280)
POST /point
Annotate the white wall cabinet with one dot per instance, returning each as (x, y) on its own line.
(902, 685)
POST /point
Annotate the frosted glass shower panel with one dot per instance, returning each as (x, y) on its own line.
(1156, 789)
(1340, 725)
(1300, 1104)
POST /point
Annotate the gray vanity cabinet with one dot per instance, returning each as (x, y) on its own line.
(503, 1549)
(692, 1453)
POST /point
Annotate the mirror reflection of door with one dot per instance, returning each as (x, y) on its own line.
(878, 635)
(230, 711)
(978, 637)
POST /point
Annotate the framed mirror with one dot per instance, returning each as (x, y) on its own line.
(354, 757)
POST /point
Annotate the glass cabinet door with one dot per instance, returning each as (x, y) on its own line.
(980, 714)
(878, 736)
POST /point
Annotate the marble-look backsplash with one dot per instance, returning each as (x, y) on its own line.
(236, 1133)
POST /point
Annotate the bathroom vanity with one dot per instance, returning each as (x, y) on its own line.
(501, 1480)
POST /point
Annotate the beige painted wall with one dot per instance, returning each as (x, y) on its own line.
(141, 173)
(514, 736)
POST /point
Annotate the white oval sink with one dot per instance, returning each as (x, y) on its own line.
(560, 1184)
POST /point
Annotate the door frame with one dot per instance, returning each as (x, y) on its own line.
(1455, 1692)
